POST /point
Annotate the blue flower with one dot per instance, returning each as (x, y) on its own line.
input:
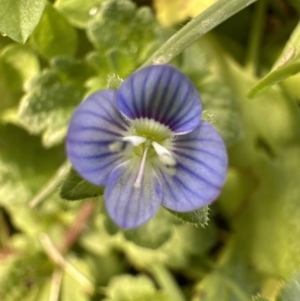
(146, 143)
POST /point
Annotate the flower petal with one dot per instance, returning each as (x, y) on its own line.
(95, 124)
(129, 206)
(162, 93)
(201, 171)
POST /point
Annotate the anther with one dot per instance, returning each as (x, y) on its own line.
(126, 144)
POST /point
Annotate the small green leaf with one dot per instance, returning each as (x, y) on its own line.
(28, 270)
(133, 288)
(198, 217)
(54, 36)
(290, 290)
(119, 19)
(78, 12)
(219, 104)
(19, 18)
(152, 234)
(274, 77)
(75, 188)
(19, 64)
(52, 98)
(24, 165)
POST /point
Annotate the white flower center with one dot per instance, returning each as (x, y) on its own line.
(152, 142)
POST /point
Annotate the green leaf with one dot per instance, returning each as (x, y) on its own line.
(197, 217)
(30, 270)
(19, 64)
(24, 165)
(154, 233)
(119, 19)
(19, 18)
(260, 298)
(54, 36)
(52, 98)
(133, 288)
(75, 188)
(221, 109)
(219, 103)
(267, 225)
(288, 64)
(290, 290)
(231, 275)
(186, 242)
(78, 12)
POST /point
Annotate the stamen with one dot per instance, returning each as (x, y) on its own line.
(135, 140)
(139, 177)
(165, 157)
(120, 146)
(126, 144)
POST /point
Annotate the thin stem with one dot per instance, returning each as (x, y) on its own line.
(54, 254)
(51, 185)
(55, 284)
(256, 34)
(72, 235)
(203, 23)
(167, 282)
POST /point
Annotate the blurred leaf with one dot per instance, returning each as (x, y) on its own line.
(197, 217)
(267, 225)
(170, 12)
(19, 18)
(119, 19)
(219, 103)
(153, 234)
(24, 165)
(287, 65)
(54, 36)
(221, 106)
(233, 277)
(75, 188)
(20, 64)
(133, 288)
(24, 277)
(186, 241)
(78, 12)
(290, 290)
(52, 98)
(239, 187)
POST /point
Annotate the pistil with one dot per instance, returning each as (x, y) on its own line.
(139, 177)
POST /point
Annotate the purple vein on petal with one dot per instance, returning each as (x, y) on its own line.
(198, 176)
(168, 107)
(79, 128)
(192, 158)
(113, 119)
(172, 190)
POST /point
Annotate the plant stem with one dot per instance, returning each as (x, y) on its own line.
(55, 284)
(58, 259)
(256, 34)
(206, 21)
(51, 185)
(167, 282)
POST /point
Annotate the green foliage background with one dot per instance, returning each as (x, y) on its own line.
(246, 246)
